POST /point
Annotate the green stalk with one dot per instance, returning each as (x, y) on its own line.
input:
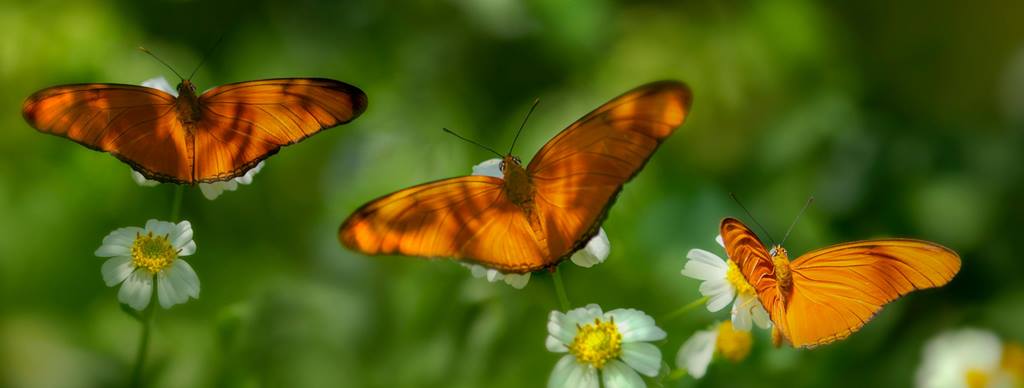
(563, 298)
(176, 202)
(683, 310)
(140, 355)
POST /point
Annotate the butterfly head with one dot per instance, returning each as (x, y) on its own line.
(510, 160)
(186, 86)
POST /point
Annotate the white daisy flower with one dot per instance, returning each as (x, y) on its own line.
(611, 347)
(965, 358)
(697, 352)
(595, 252)
(210, 190)
(722, 282)
(140, 256)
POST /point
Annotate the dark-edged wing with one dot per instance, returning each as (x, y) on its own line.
(579, 172)
(136, 124)
(836, 290)
(246, 122)
(467, 218)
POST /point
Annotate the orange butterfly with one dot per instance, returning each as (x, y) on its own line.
(536, 216)
(827, 294)
(188, 139)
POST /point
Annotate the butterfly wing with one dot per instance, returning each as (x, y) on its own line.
(579, 172)
(246, 122)
(836, 290)
(755, 263)
(466, 218)
(135, 124)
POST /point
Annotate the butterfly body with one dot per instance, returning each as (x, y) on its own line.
(190, 138)
(517, 185)
(827, 294)
(187, 105)
(533, 217)
(783, 276)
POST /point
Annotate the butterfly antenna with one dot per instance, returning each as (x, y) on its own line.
(473, 142)
(808, 203)
(532, 107)
(207, 55)
(145, 50)
(763, 229)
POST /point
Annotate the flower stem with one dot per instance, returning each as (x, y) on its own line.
(140, 355)
(563, 299)
(176, 202)
(683, 310)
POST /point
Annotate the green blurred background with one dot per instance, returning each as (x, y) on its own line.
(901, 119)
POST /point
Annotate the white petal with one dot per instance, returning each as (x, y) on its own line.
(123, 236)
(181, 235)
(761, 318)
(584, 315)
(479, 271)
(160, 83)
(489, 167)
(619, 375)
(211, 190)
(517, 280)
(188, 249)
(247, 177)
(141, 180)
(230, 185)
(720, 293)
(563, 368)
(555, 345)
(635, 326)
(493, 275)
(704, 265)
(166, 294)
(137, 289)
(748, 307)
(106, 250)
(561, 327)
(476, 270)
(720, 241)
(185, 278)
(571, 374)
(160, 228)
(118, 242)
(595, 252)
(695, 354)
(948, 357)
(116, 269)
(642, 356)
(740, 316)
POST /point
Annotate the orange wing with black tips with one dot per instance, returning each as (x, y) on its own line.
(537, 216)
(833, 292)
(239, 124)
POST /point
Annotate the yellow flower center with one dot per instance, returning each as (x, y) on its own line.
(597, 343)
(154, 253)
(737, 280)
(977, 378)
(1013, 360)
(731, 344)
